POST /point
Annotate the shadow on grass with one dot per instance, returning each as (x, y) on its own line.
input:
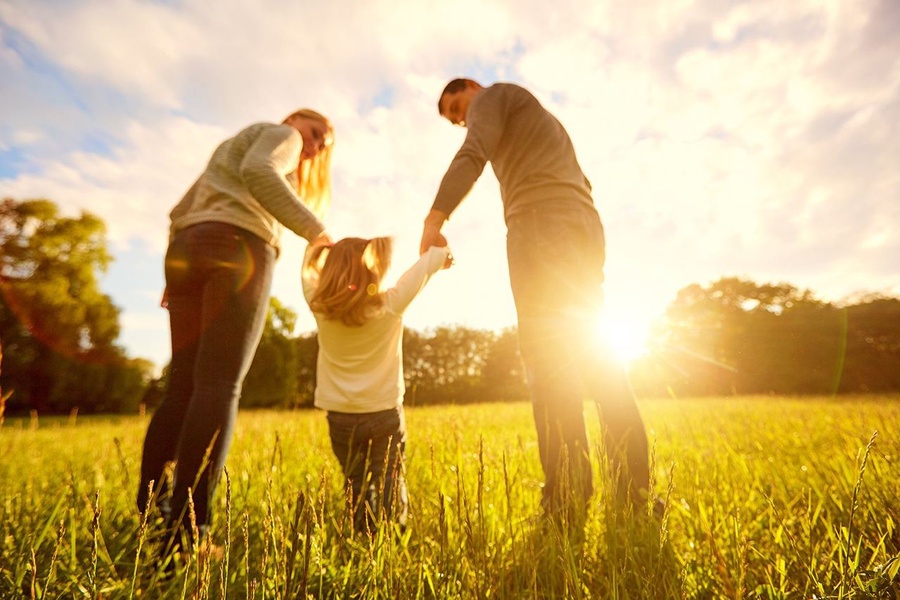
(613, 554)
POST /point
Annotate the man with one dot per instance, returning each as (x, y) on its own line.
(556, 251)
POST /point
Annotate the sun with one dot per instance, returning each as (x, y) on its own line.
(625, 335)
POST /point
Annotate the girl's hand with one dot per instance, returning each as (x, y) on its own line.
(440, 241)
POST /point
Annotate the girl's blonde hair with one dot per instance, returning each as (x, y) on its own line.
(350, 276)
(313, 181)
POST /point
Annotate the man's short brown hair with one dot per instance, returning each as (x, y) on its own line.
(457, 85)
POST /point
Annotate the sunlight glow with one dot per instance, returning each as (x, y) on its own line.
(625, 335)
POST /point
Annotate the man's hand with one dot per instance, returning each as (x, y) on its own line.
(431, 232)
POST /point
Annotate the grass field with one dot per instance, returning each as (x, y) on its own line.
(766, 498)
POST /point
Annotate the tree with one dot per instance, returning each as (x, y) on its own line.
(446, 366)
(307, 348)
(272, 378)
(58, 328)
(739, 337)
(504, 372)
(872, 361)
(3, 396)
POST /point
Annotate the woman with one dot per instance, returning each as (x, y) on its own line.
(224, 239)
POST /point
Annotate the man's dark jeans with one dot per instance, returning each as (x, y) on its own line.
(218, 279)
(371, 449)
(556, 257)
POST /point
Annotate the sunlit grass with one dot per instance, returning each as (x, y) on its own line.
(767, 497)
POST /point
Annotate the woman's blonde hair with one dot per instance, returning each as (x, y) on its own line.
(313, 182)
(350, 276)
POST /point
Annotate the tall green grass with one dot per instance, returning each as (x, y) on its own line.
(766, 498)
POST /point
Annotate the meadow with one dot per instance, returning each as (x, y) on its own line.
(766, 497)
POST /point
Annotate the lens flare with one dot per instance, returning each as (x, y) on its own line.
(627, 337)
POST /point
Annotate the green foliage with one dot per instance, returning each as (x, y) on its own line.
(504, 373)
(873, 345)
(461, 366)
(58, 328)
(766, 498)
(49, 261)
(740, 337)
(445, 365)
(3, 397)
(272, 378)
(307, 349)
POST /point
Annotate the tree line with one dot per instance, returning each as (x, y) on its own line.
(58, 335)
(739, 337)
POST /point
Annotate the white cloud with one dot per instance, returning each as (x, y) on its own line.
(133, 187)
(126, 44)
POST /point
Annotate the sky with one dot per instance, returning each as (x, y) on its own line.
(722, 138)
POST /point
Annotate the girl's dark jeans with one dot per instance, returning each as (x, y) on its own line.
(218, 278)
(370, 448)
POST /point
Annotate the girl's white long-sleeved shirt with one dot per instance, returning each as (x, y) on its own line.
(360, 369)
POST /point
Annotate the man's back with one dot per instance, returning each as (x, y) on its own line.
(529, 150)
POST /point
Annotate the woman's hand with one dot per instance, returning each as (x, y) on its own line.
(323, 239)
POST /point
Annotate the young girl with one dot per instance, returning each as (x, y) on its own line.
(360, 367)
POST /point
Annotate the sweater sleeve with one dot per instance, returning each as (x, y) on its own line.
(397, 298)
(274, 154)
(485, 123)
(309, 277)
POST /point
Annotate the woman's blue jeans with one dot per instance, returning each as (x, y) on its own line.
(218, 279)
(556, 256)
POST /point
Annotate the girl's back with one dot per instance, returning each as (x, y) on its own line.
(360, 366)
